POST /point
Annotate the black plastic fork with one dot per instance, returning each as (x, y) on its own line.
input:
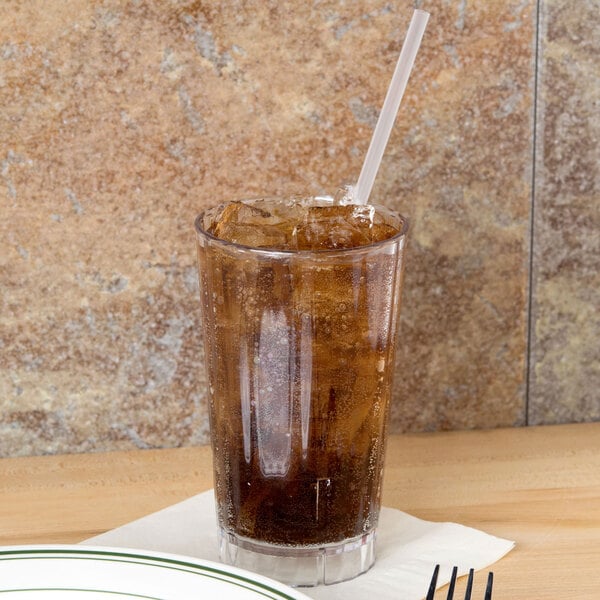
(468, 591)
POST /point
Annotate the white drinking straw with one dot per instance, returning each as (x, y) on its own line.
(361, 191)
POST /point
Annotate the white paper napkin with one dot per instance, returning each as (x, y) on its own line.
(407, 548)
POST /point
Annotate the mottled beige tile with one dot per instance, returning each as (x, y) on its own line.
(119, 121)
(461, 168)
(565, 353)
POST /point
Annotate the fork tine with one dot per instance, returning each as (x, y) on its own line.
(488, 587)
(469, 585)
(450, 595)
(452, 584)
(433, 583)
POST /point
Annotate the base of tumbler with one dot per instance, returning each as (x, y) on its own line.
(300, 566)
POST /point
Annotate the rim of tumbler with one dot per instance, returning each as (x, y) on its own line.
(292, 252)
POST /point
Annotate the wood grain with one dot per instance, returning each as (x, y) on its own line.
(539, 486)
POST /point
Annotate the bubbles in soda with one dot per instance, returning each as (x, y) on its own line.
(300, 364)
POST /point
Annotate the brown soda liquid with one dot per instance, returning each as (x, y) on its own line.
(300, 352)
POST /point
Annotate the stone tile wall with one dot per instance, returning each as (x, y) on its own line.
(121, 119)
(565, 333)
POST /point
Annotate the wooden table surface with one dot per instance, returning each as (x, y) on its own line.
(539, 486)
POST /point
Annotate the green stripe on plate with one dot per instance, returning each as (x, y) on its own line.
(143, 559)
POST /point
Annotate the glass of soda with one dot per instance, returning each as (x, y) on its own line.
(300, 306)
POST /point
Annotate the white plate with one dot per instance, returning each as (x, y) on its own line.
(76, 573)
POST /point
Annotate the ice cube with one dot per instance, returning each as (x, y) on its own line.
(329, 227)
(381, 231)
(249, 225)
(252, 235)
(239, 212)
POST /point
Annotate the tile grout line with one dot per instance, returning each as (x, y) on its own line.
(534, 156)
